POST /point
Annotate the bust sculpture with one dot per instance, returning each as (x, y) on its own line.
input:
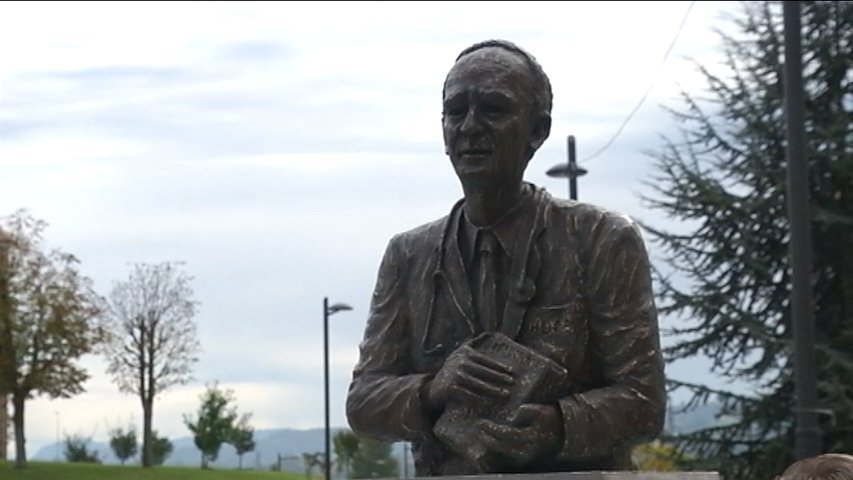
(518, 333)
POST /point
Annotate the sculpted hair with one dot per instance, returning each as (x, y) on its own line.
(829, 466)
(542, 96)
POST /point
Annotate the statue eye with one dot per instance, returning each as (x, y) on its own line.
(493, 109)
(454, 111)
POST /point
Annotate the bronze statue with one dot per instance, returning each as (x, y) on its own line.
(518, 333)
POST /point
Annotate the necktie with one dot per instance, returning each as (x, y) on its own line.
(487, 277)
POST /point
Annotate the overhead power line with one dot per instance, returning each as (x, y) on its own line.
(648, 90)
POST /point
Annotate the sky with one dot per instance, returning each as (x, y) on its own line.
(276, 147)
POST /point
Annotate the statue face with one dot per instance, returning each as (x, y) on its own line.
(488, 118)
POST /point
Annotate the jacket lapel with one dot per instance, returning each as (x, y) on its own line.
(525, 268)
(450, 273)
(450, 305)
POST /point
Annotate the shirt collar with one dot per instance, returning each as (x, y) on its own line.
(504, 228)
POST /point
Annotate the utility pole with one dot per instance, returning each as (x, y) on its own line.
(807, 434)
(406, 460)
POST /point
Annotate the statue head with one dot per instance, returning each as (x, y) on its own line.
(496, 113)
(829, 466)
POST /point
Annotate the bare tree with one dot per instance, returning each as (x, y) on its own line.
(152, 341)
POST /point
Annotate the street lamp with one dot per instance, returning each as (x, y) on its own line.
(57, 434)
(569, 170)
(327, 311)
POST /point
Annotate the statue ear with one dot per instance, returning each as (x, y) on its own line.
(444, 136)
(541, 130)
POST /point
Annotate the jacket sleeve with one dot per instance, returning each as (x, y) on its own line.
(629, 407)
(384, 399)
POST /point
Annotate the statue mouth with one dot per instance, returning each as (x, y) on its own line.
(475, 153)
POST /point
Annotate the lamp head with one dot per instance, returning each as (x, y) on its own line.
(564, 170)
(338, 307)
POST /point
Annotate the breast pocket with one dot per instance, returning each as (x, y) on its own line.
(558, 331)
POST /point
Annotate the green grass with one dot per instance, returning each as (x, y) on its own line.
(84, 471)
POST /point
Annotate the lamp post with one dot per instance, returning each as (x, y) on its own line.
(57, 434)
(569, 170)
(327, 311)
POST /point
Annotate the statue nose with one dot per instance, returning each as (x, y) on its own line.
(471, 122)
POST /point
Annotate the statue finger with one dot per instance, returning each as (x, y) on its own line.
(505, 441)
(487, 374)
(494, 435)
(525, 415)
(490, 362)
(483, 391)
(465, 395)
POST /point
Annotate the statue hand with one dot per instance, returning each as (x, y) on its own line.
(471, 378)
(534, 431)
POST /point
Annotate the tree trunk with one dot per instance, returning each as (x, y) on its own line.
(147, 413)
(4, 426)
(240, 462)
(18, 399)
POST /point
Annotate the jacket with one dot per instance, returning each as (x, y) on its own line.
(580, 293)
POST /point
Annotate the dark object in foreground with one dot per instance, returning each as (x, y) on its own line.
(829, 466)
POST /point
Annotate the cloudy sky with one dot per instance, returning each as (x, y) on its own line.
(276, 147)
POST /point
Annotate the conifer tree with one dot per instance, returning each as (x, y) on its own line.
(725, 276)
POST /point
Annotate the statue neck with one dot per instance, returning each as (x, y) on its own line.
(485, 206)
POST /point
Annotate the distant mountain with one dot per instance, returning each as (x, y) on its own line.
(288, 445)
